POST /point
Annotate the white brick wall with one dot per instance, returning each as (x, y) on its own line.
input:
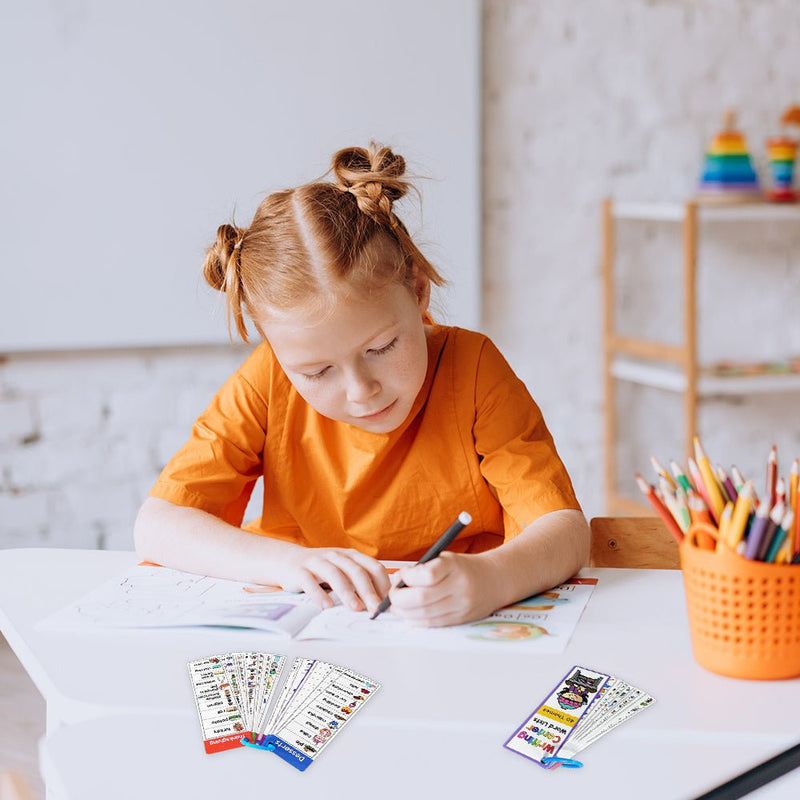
(581, 100)
(584, 100)
(84, 435)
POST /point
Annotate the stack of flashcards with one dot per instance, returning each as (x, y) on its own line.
(584, 706)
(241, 700)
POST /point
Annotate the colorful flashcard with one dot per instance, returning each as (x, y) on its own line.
(619, 703)
(583, 707)
(317, 701)
(221, 720)
(242, 700)
(546, 730)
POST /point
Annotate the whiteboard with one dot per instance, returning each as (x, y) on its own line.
(131, 130)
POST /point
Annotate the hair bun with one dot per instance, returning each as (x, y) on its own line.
(218, 257)
(374, 176)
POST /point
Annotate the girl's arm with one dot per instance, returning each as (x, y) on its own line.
(195, 541)
(456, 588)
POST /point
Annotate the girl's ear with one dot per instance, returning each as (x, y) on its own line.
(422, 288)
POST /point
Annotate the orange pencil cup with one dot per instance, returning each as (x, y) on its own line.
(744, 615)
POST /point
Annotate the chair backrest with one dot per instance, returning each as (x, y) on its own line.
(642, 542)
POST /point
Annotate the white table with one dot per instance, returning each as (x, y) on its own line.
(119, 701)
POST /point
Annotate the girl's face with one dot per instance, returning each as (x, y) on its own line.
(363, 363)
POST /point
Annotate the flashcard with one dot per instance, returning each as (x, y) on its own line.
(221, 720)
(318, 700)
(544, 733)
(553, 737)
(241, 700)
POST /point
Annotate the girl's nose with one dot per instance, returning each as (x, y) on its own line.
(361, 386)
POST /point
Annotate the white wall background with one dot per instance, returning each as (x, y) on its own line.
(132, 130)
(581, 100)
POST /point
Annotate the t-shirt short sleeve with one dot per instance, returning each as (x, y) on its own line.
(217, 468)
(518, 458)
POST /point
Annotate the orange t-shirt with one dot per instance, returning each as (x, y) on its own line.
(474, 441)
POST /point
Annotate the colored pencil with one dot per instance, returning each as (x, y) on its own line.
(679, 475)
(704, 465)
(699, 513)
(649, 492)
(738, 480)
(727, 484)
(772, 473)
(741, 514)
(780, 536)
(775, 519)
(661, 472)
(700, 488)
(757, 528)
(684, 516)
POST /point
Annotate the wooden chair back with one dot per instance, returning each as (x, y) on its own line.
(639, 542)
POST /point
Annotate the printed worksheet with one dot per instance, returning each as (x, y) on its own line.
(149, 596)
(543, 623)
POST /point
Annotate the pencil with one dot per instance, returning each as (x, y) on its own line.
(699, 513)
(679, 475)
(780, 536)
(760, 775)
(774, 522)
(661, 472)
(726, 483)
(725, 519)
(662, 511)
(710, 482)
(772, 473)
(684, 516)
(436, 548)
(780, 491)
(741, 513)
(794, 479)
(738, 480)
(757, 528)
(700, 488)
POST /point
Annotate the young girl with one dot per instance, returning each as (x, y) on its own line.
(371, 426)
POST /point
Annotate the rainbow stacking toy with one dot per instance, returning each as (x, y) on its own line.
(728, 174)
(782, 153)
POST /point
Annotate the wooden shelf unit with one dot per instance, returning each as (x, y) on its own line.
(662, 365)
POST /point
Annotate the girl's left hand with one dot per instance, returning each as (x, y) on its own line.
(449, 590)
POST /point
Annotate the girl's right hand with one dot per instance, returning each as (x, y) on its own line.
(358, 580)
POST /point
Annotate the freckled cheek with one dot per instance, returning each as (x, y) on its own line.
(322, 399)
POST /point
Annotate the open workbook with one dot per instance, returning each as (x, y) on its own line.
(149, 596)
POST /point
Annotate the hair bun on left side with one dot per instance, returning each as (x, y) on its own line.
(218, 256)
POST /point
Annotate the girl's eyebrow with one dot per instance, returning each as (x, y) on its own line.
(318, 363)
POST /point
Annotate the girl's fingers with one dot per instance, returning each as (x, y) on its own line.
(377, 572)
(427, 574)
(340, 583)
(310, 584)
(416, 604)
(363, 590)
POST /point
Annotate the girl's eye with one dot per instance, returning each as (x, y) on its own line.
(316, 375)
(386, 348)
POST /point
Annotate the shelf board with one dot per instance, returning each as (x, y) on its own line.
(673, 380)
(675, 212)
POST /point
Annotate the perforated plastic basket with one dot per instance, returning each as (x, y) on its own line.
(744, 615)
